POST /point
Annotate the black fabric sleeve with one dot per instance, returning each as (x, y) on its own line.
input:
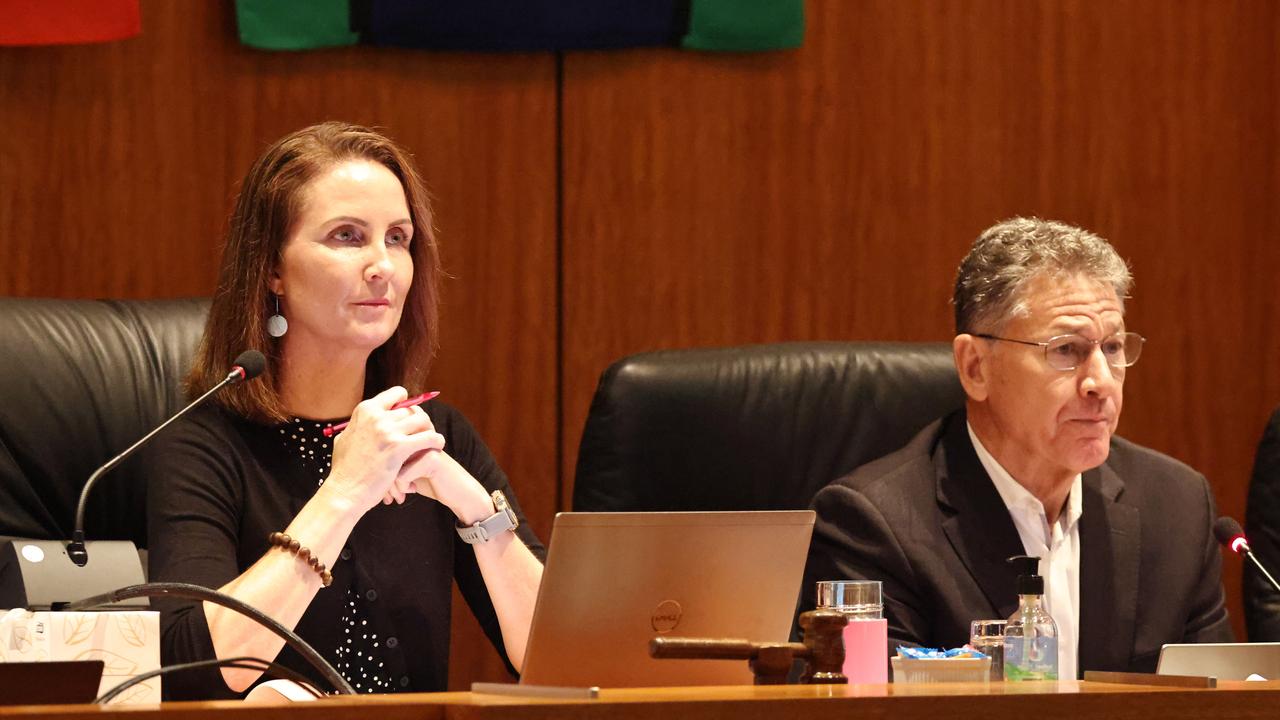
(852, 540)
(1262, 524)
(465, 446)
(193, 494)
(1207, 620)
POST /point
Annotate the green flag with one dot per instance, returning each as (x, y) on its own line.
(295, 24)
(745, 25)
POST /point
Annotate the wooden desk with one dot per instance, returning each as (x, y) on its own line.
(1041, 701)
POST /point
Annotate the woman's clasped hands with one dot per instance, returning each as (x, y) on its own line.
(369, 456)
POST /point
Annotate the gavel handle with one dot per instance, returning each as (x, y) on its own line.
(702, 648)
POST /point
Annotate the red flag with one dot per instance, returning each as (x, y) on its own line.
(62, 22)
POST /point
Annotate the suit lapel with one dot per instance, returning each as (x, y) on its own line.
(976, 521)
(1109, 563)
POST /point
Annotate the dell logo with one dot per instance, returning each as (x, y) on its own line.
(666, 616)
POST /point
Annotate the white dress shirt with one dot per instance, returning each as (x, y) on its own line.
(1057, 546)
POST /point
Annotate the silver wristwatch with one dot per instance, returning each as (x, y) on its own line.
(502, 520)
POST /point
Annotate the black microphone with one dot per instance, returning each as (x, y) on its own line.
(247, 366)
(1230, 534)
(199, 592)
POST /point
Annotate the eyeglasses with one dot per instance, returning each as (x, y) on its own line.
(1068, 352)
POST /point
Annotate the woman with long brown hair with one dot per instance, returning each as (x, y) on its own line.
(331, 270)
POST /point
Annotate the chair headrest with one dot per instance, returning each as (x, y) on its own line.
(754, 427)
(83, 380)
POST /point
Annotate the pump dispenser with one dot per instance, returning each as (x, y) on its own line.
(1031, 635)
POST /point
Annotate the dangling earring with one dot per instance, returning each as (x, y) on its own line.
(277, 326)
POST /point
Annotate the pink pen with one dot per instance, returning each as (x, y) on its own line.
(332, 430)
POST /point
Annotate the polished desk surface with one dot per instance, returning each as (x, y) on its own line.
(1039, 700)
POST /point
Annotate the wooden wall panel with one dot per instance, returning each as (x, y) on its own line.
(829, 192)
(119, 164)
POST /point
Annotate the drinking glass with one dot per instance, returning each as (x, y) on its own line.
(987, 637)
(866, 637)
(857, 599)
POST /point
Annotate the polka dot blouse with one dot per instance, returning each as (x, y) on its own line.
(358, 655)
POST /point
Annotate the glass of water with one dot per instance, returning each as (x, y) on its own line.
(857, 599)
(866, 637)
(987, 637)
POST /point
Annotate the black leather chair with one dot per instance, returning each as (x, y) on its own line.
(753, 428)
(82, 380)
(1262, 526)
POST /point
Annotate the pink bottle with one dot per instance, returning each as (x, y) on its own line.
(866, 637)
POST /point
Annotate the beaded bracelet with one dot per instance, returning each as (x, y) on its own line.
(288, 544)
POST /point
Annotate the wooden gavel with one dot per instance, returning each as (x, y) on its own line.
(822, 651)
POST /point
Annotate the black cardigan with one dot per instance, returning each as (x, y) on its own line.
(219, 484)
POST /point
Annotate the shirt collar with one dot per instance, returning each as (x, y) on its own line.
(1017, 497)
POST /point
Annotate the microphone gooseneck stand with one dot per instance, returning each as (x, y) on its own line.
(248, 365)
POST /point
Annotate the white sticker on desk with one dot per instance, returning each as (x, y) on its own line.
(33, 553)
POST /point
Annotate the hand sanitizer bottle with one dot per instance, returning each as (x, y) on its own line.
(1031, 635)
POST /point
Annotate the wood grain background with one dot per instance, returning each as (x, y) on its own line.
(603, 203)
(829, 193)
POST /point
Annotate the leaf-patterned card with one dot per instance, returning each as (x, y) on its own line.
(132, 628)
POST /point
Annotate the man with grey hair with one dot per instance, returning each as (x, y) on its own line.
(1031, 466)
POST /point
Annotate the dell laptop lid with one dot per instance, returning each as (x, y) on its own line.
(613, 581)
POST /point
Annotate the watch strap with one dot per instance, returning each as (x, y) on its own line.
(503, 520)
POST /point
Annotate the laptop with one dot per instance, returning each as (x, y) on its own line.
(1225, 661)
(613, 581)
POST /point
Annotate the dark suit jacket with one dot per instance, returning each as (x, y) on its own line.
(1262, 525)
(929, 523)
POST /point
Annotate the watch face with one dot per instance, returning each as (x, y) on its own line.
(500, 504)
